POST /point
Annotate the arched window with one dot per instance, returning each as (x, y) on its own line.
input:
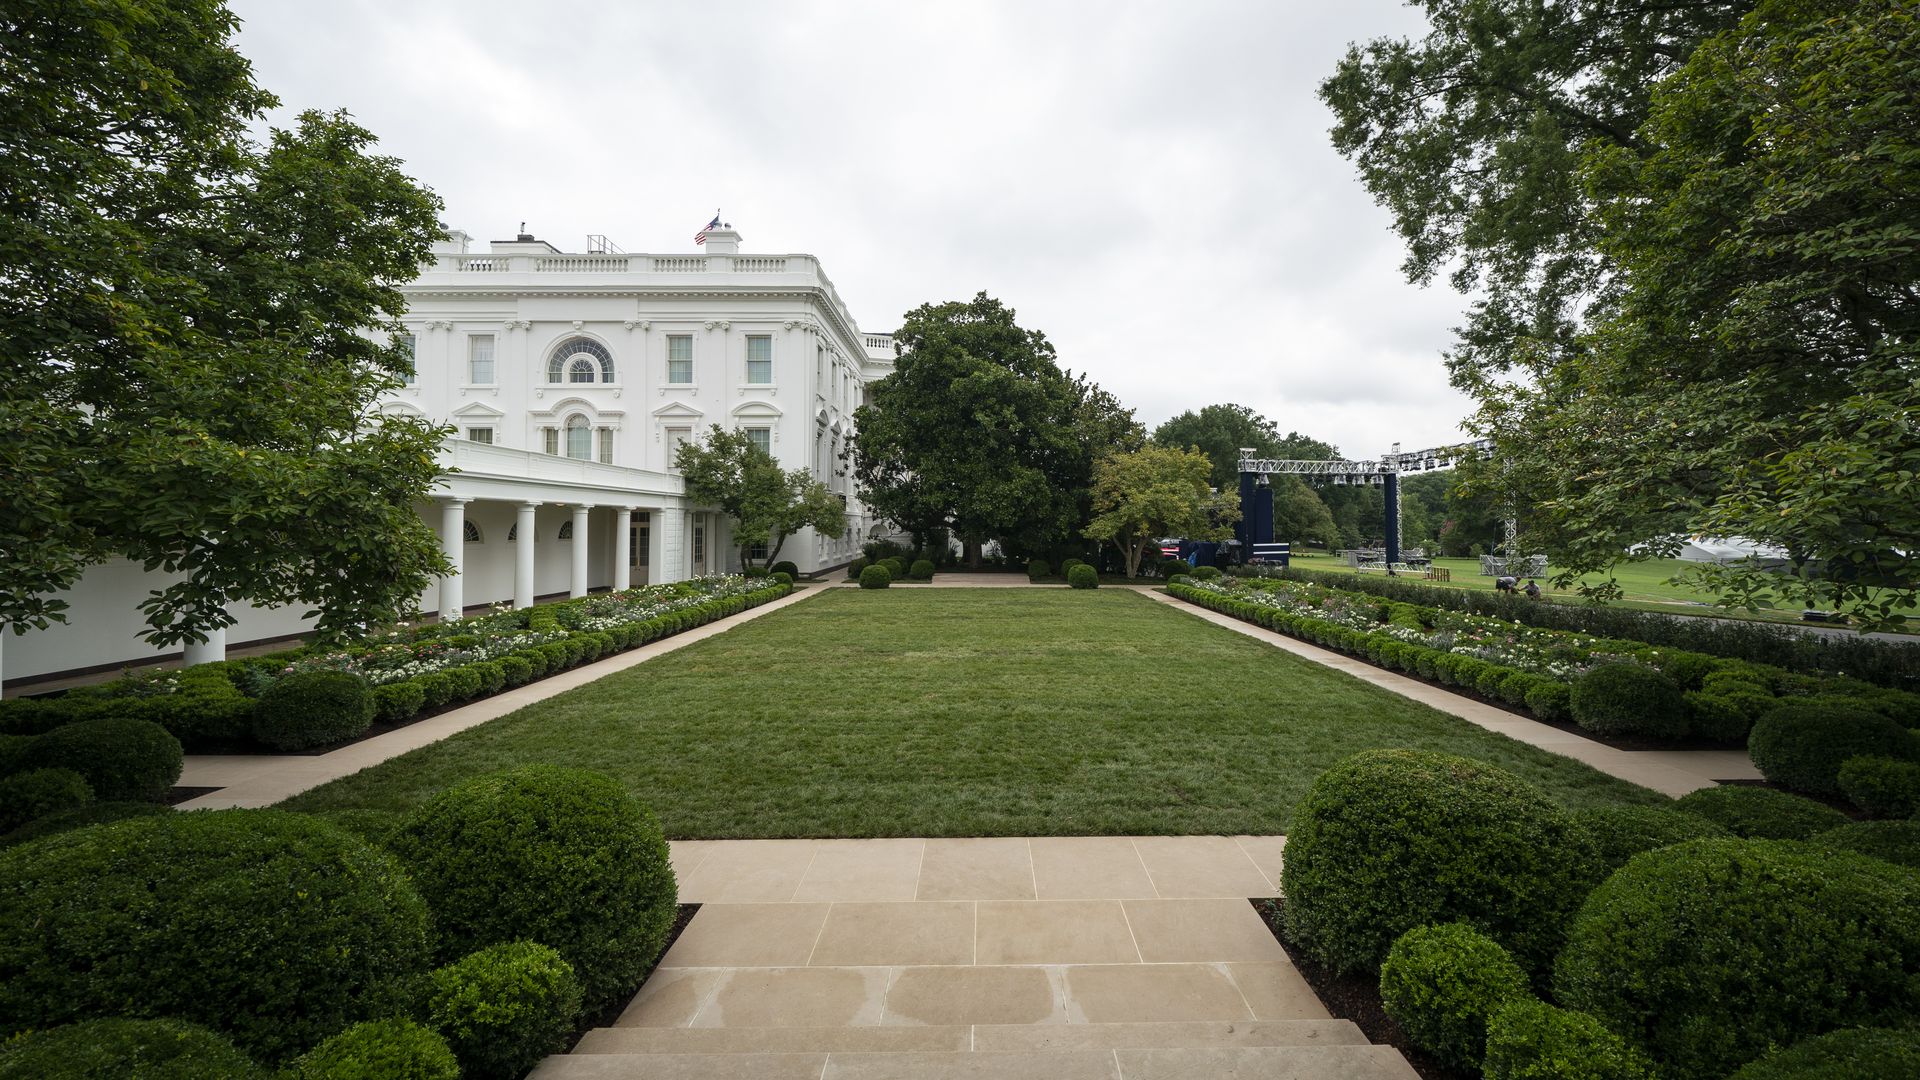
(579, 359)
(471, 532)
(513, 532)
(566, 531)
(579, 438)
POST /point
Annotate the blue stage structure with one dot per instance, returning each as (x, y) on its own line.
(1255, 531)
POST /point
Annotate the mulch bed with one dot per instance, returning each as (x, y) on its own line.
(1352, 996)
(612, 1013)
(177, 795)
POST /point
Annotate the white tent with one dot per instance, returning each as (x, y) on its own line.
(1726, 549)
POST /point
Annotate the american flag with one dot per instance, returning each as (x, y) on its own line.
(701, 236)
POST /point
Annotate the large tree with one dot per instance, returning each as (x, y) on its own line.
(1758, 373)
(1472, 135)
(979, 431)
(1222, 431)
(1152, 492)
(729, 470)
(194, 329)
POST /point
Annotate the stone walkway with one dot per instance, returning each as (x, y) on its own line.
(1122, 958)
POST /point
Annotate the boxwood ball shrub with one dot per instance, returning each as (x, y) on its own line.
(1880, 1053)
(136, 1049)
(1801, 744)
(542, 853)
(313, 708)
(1629, 699)
(504, 1008)
(389, 1049)
(273, 927)
(437, 689)
(1442, 983)
(1685, 951)
(1760, 813)
(1550, 700)
(922, 570)
(787, 567)
(393, 702)
(1882, 787)
(782, 577)
(1712, 716)
(856, 567)
(94, 813)
(1205, 573)
(1621, 832)
(1037, 569)
(1083, 576)
(1890, 841)
(121, 758)
(517, 669)
(1388, 840)
(25, 796)
(466, 681)
(1528, 1039)
(875, 577)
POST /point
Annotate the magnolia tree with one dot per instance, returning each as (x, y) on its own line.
(1153, 492)
(767, 505)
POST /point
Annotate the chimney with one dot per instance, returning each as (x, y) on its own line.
(723, 241)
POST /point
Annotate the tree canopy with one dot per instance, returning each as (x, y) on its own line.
(1757, 372)
(979, 431)
(194, 330)
(1472, 137)
(730, 471)
(1221, 431)
(1156, 491)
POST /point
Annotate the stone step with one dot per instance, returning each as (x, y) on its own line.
(979, 1038)
(1359, 1062)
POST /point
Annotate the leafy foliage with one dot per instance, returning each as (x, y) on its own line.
(138, 1049)
(1621, 832)
(390, 1049)
(1442, 983)
(315, 708)
(121, 759)
(35, 793)
(185, 915)
(1529, 1039)
(1841, 1055)
(767, 504)
(980, 432)
(1685, 950)
(1759, 813)
(1142, 495)
(1882, 787)
(194, 329)
(1802, 742)
(504, 1008)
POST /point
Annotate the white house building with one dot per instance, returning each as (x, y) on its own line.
(571, 379)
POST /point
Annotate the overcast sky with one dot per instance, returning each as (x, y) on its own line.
(1149, 184)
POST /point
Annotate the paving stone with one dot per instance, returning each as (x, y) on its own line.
(897, 934)
(982, 868)
(1054, 932)
(796, 997)
(1200, 866)
(976, 995)
(862, 870)
(1132, 993)
(1199, 931)
(1089, 868)
(1167, 1035)
(748, 935)
(1266, 1063)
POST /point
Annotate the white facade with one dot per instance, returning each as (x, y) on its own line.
(570, 379)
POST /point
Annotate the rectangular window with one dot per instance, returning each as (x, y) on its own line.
(820, 370)
(480, 435)
(677, 437)
(680, 359)
(606, 446)
(758, 553)
(409, 343)
(699, 549)
(759, 359)
(550, 437)
(480, 359)
(762, 438)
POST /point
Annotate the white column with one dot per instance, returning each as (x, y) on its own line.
(579, 585)
(525, 533)
(211, 651)
(670, 540)
(453, 542)
(622, 548)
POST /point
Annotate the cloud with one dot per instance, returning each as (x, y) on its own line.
(1153, 188)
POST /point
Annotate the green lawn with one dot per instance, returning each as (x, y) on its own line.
(964, 712)
(1647, 586)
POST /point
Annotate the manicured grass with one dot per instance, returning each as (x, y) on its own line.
(965, 712)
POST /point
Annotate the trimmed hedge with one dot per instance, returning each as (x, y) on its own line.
(1891, 841)
(922, 570)
(389, 1049)
(135, 1049)
(1685, 950)
(1629, 699)
(1528, 1039)
(304, 926)
(1038, 570)
(313, 708)
(857, 567)
(122, 759)
(1388, 840)
(1621, 832)
(27, 796)
(560, 856)
(1442, 983)
(398, 701)
(1801, 744)
(1882, 787)
(1848, 1054)
(787, 567)
(783, 577)
(504, 1008)
(1083, 576)
(1760, 813)
(78, 817)
(875, 577)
